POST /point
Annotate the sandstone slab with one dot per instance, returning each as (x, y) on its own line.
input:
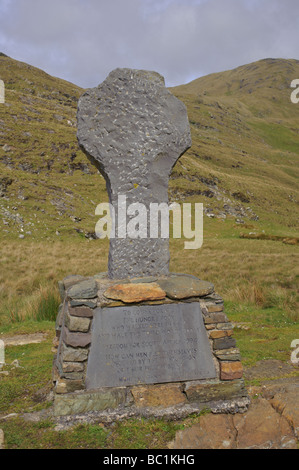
(231, 370)
(130, 293)
(263, 428)
(158, 395)
(213, 432)
(287, 404)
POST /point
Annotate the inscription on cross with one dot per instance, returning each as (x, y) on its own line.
(134, 130)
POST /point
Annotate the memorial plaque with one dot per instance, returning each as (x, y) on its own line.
(148, 344)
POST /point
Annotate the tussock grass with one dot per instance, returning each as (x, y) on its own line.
(41, 305)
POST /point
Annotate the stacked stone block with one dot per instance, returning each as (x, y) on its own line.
(225, 393)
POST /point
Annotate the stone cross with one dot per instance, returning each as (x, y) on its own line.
(134, 130)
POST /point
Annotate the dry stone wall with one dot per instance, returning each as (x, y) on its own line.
(224, 392)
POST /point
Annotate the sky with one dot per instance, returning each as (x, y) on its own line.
(82, 41)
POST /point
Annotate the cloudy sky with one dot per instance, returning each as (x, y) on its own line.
(83, 40)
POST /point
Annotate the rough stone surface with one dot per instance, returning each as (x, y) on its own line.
(259, 428)
(231, 370)
(148, 344)
(134, 130)
(263, 428)
(270, 422)
(130, 293)
(213, 432)
(76, 340)
(70, 354)
(224, 343)
(83, 303)
(68, 386)
(220, 333)
(84, 290)
(181, 287)
(214, 308)
(72, 367)
(94, 401)
(231, 354)
(158, 395)
(77, 323)
(215, 318)
(286, 402)
(82, 311)
(214, 390)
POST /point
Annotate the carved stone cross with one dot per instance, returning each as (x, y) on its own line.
(134, 130)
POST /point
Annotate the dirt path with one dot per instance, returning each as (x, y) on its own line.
(20, 340)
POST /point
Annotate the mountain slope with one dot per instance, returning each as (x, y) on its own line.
(243, 163)
(245, 133)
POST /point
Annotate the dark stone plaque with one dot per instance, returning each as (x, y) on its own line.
(148, 344)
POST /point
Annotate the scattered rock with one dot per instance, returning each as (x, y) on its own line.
(7, 148)
(84, 290)
(16, 364)
(4, 183)
(181, 287)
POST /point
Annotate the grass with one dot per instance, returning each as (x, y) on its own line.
(258, 280)
(41, 305)
(244, 145)
(24, 435)
(134, 434)
(278, 136)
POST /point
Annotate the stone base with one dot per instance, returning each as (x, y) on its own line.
(191, 343)
(171, 400)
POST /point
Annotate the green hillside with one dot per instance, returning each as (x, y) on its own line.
(46, 182)
(243, 166)
(243, 163)
(245, 133)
